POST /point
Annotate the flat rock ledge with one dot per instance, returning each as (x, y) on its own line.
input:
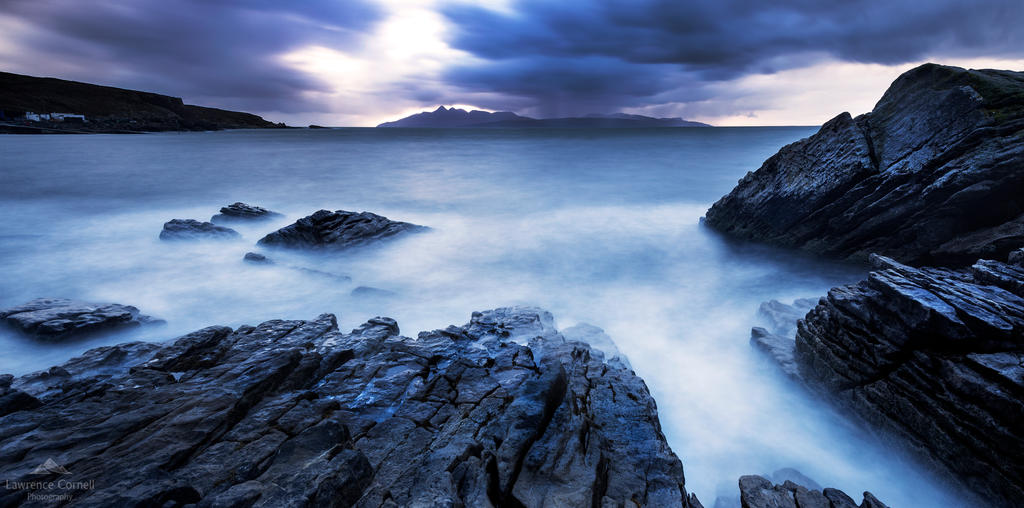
(503, 411)
(241, 212)
(934, 356)
(61, 318)
(337, 230)
(931, 176)
(191, 229)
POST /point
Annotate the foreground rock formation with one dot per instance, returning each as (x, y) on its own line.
(930, 176)
(238, 212)
(60, 318)
(191, 229)
(759, 492)
(500, 412)
(337, 230)
(932, 355)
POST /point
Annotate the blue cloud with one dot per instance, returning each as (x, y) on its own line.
(223, 49)
(650, 48)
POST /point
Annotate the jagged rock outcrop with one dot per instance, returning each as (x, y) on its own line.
(930, 176)
(337, 230)
(238, 212)
(191, 229)
(502, 411)
(759, 492)
(934, 356)
(61, 318)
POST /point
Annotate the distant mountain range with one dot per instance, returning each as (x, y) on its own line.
(448, 118)
(107, 109)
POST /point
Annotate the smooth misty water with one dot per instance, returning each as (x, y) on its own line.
(598, 226)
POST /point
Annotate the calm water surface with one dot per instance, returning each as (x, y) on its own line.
(597, 226)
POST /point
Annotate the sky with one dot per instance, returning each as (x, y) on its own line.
(363, 62)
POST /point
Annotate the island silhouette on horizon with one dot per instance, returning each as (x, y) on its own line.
(453, 118)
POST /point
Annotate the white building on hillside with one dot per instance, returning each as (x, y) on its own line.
(53, 117)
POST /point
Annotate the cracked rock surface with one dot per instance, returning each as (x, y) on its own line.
(503, 411)
(930, 176)
(337, 230)
(934, 356)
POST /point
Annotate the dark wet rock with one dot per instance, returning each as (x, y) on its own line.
(190, 229)
(240, 212)
(60, 318)
(759, 492)
(371, 292)
(337, 230)
(502, 411)
(257, 258)
(930, 176)
(934, 357)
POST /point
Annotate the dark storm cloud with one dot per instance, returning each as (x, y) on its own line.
(220, 50)
(531, 51)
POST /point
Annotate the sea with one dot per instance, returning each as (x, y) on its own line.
(600, 226)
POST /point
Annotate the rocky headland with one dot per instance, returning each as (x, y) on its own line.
(107, 109)
(931, 357)
(931, 176)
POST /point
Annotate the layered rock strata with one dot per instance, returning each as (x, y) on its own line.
(337, 230)
(930, 176)
(503, 411)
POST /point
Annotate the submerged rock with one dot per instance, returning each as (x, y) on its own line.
(929, 176)
(296, 413)
(337, 230)
(370, 292)
(257, 258)
(60, 318)
(238, 212)
(934, 356)
(191, 229)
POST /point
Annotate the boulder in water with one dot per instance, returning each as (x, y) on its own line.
(238, 212)
(59, 318)
(337, 230)
(257, 259)
(191, 229)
